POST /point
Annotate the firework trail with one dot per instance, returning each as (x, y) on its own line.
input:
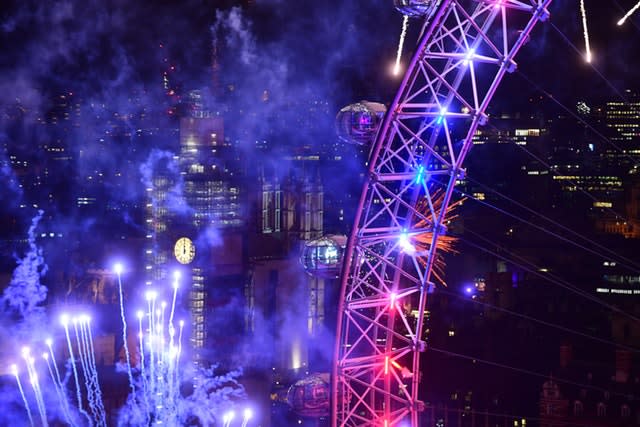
(151, 298)
(58, 382)
(228, 417)
(145, 387)
(140, 315)
(172, 331)
(405, 25)
(156, 399)
(59, 391)
(45, 356)
(180, 340)
(85, 348)
(35, 384)
(84, 368)
(86, 372)
(161, 331)
(585, 31)
(247, 416)
(92, 359)
(14, 369)
(628, 14)
(118, 269)
(65, 324)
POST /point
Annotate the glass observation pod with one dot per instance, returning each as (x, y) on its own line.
(323, 257)
(309, 397)
(416, 8)
(358, 123)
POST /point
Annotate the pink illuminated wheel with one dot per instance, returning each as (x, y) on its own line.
(464, 50)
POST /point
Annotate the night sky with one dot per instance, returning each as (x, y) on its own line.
(111, 57)
(107, 52)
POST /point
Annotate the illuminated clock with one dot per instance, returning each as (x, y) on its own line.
(184, 250)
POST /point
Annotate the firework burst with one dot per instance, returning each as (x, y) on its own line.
(445, 243)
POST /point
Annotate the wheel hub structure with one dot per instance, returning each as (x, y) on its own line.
(463, 52)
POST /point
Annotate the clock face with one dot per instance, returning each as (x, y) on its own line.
(184, 250)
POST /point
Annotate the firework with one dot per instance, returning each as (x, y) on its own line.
(155, 377)
(446, 243)
(35, 383)
(405, 25)
(628, 14)
(64, 319)
(14, 369)
(585, 31)
(118, 271)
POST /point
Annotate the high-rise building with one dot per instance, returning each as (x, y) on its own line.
(619, 154)
(163, 204)
(210, 176)
(624, 118)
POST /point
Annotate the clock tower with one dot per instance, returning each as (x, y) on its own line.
(194, 196)
(184, 250)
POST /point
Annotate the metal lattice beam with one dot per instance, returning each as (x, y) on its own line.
(415, 162)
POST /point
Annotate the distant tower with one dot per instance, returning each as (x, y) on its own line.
(303, 207)
(270, 204)
(288, 213)
(313, 208)
(193, 202)
(213, 200)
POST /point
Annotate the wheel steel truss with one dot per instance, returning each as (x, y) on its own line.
(463, 53)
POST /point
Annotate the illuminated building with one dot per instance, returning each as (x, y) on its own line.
(294, 206)
(271, 201)
(287, 213)
(624, 118)
(303, 207)
(194, 197)
(619, 157)
(205, 163)
(621, 119)
(606, 188)
(160, 213)
(505, 128)
(213, 200)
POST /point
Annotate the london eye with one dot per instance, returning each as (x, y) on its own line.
(390, 266)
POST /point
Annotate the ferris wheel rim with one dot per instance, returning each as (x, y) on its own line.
(341, 366)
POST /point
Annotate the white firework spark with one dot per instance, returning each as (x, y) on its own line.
(585, 31)
(403, 34)
(628, 14)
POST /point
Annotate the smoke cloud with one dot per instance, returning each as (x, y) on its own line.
(23, 298)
